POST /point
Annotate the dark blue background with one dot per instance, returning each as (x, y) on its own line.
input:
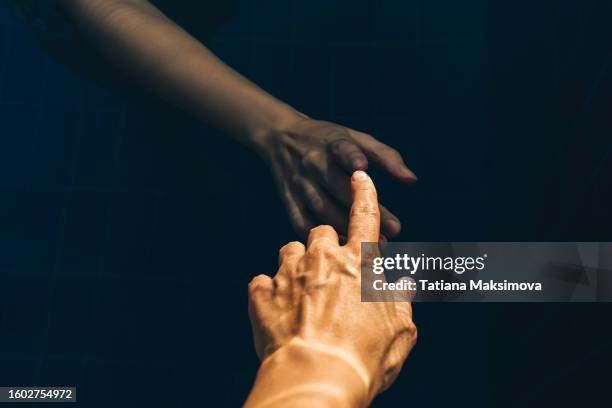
(128, 232)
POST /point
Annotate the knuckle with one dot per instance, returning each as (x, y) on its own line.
(336, 143)
(352, 254)
(406, 328)
(412, 330)
(258, 283)
(293, 246)
(279, 283)
(322, 229)
(311, 158)
(320, 250)
(410, 326)
(314, 287)
(368, 209)
(339, 144)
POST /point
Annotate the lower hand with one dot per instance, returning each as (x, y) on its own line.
(314, 301)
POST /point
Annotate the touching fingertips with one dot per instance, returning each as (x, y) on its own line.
(360, 175)
(360, 163)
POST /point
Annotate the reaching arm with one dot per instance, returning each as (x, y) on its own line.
(297, 376)
(318, 341)
(155, 51)
(311, 160)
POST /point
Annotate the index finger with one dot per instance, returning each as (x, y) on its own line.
(364, 221)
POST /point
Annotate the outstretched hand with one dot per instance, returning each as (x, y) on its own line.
(314, 303)
(312, 161)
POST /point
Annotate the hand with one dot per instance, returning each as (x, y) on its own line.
(311, 162)
(314, 301)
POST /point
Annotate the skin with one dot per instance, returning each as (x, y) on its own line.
(319, 344)
(310, 160)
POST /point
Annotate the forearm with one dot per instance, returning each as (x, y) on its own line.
(152, 49)
(300, 377)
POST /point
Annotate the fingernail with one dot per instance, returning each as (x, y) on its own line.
(392, 227)
(360, 175)
(360, 164)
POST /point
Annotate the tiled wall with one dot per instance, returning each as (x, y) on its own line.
(118, 226)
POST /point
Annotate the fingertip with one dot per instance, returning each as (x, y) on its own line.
(360, 175)
(392, 227)
(360, 163)
(364, 219)
(259, 283)
(406, 175)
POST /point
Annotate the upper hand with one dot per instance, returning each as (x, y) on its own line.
(312, 160)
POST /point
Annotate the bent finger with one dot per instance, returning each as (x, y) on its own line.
(298, 213)
(323, 234)
(348, 154)
(290, 251)
(324, 207)
(261, 286)
(386, 157)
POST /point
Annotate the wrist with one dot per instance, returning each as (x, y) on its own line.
(297, 372)
(262, 135)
